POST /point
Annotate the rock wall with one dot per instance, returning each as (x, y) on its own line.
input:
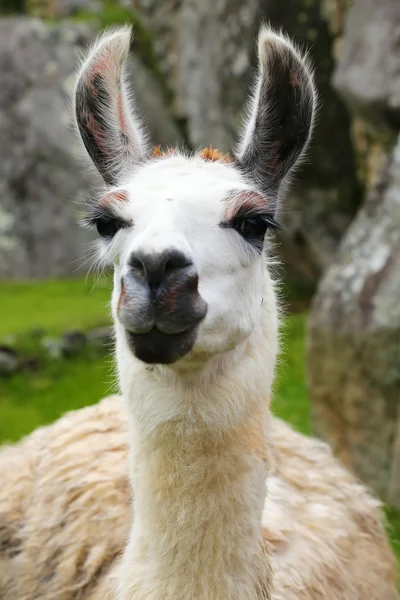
(40, 172)
(368, 70)
(354, 333)
(354, 342)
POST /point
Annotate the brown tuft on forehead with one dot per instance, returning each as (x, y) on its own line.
(214, 155)
(113, 197)
(159, 152)
(208, 154)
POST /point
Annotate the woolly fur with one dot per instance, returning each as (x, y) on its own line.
(65, 512)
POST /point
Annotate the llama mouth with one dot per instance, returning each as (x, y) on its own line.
(156, 347)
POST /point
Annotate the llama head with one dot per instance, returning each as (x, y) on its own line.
(186, 233)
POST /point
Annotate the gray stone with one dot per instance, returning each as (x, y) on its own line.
(101, 339)
(54, 347)
(104, 334)
(368, 71)
(42, 181)
(354, 342)
(73, 342)
(217, 54)
(69, 8)
(8, 361)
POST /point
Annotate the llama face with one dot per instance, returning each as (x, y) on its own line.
(186, 233)
(188, 257)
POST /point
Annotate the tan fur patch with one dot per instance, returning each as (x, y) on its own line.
(158, 152)
(214, 155)
(112, 197)
(208, 154)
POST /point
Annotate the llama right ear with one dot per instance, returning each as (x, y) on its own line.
(112, 136)
(281, 115)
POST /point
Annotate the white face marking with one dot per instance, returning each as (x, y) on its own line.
(230, 271)
(220, 265)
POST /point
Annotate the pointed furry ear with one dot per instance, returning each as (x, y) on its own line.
(111, 135)
(281, 114)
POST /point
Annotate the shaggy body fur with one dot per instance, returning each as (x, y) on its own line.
(65, 512)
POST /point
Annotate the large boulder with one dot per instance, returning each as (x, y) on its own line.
(368, 71)
(217, 55)
(43, 177)
(354, 342)
(206, 51)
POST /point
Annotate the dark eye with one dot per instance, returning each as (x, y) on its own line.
(252, 227)
(107, 227)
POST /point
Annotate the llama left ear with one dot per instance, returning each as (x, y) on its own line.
(111, 133)
(281, 115)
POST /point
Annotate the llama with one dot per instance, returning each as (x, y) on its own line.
(228, 502)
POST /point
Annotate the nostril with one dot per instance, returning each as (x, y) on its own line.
(137, 264)
(156, 267)
(175, 262)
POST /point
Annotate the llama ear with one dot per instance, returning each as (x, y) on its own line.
(281, 115)
(111, 134)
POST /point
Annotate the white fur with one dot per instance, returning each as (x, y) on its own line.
(230, 275)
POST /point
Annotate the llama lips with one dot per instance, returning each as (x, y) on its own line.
(156, 347)
(161, 324)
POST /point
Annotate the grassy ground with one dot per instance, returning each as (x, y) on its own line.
(32, 399)
(54, 305)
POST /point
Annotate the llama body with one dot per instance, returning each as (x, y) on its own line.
(65, 514)
(196, 327)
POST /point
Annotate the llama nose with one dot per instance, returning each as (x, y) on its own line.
(155, 268)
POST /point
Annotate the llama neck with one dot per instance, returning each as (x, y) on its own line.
(199, 466)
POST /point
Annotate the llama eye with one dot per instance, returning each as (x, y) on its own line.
(252, 228)
(107, 227)
(255, 227)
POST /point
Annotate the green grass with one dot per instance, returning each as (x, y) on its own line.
(290, 398)
(56, 305)
(28, 400)
(31, 399)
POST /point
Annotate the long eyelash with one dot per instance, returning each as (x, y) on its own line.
(272, 223)
(245, 213)
(101, 213)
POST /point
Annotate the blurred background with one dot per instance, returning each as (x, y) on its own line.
(339, 252)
